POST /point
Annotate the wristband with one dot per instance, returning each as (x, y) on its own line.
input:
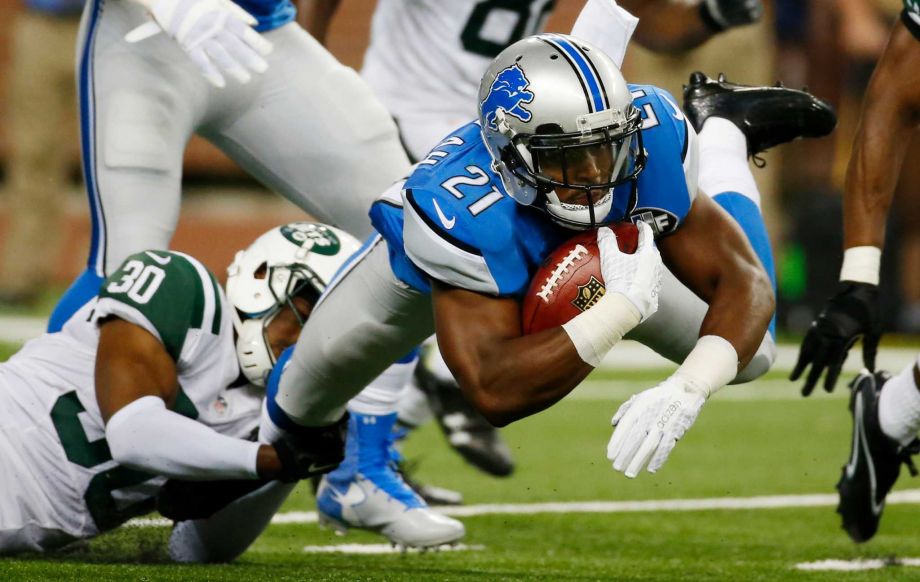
(599, 328)
(861, 264)
(711, 365)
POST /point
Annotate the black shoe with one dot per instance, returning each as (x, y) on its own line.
(432, 494)
(875, 461)
(467, 431)
(768, 116)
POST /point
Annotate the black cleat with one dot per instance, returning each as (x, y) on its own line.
(768, 116)
(875, 461)
(468, 432)
(432, 494)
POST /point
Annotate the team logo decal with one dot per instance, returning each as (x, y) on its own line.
(508, 93)
(325, 242)
(588, 294)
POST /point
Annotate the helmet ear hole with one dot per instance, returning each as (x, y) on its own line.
(261, 271)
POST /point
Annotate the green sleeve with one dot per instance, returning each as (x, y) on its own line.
(172, 291)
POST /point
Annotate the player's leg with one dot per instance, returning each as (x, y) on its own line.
(733, 124)
(315, 133)
(137, 106)
(39, 507)
(377, 321)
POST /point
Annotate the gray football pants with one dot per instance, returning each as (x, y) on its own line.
(308, 128)
(368, 319)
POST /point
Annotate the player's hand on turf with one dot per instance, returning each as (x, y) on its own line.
(637, 276)
(725, 14)
(649, 424)
(216, 34)
(852, 312)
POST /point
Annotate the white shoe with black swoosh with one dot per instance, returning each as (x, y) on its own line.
(875, 461)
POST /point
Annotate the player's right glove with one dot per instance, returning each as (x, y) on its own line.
(216, 34)
(637, 276)
(720, 15)
(850, 313)
(649, 424)
(311, 451)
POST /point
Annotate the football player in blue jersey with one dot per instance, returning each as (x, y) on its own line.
(425, 60)
(561, 144)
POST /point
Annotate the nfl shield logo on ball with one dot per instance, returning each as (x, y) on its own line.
(588, 294)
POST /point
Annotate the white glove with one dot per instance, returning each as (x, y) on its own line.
(636, 276)
(649, 424)
(216, 34)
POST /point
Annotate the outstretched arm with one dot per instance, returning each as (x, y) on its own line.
(710, 254)
(136, 389)
(890, 117)
(888, 123)
(669, 26)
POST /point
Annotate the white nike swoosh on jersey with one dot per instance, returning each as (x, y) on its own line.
(448, 224)
(158, 258)
(678, 114)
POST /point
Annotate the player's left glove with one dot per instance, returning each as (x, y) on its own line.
(851, 312)
(720, 15)
(216, 34)
(181, 500)
(649, 424)
(312, 451)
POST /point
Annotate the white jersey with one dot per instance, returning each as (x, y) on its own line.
(58, 480)
(426, 57)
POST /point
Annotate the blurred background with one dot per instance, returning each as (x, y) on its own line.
(830, 46)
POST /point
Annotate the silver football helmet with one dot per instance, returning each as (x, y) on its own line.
(561, 127)
(294, 260)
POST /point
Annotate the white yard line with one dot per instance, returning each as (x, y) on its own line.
(386, 549)
(856, 565)
(713, 503)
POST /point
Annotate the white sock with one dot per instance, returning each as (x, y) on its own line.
(381, 395)
(899, 406)
(723, 160)
(413, 406)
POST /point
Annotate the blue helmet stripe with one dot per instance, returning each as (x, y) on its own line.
(587, 71)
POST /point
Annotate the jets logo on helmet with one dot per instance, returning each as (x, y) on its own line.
(323, 240)
(508, 92)
(293, 260)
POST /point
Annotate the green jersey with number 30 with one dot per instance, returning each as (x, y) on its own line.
(47, 391)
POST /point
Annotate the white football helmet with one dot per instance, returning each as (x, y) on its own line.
(296, 259)
(557, 114)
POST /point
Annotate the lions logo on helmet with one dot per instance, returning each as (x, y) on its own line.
(579, 136)
(508, 92)
(294, 260)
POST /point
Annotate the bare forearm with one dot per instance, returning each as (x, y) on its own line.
(888, 122)
(508, 384)
(668, 26)
(740, 311)
(316, 16)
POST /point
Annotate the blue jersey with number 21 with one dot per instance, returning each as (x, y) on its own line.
(454, 221)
